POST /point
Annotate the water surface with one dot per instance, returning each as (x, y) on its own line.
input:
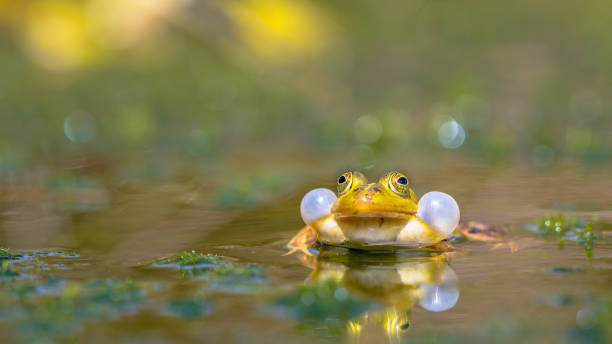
(105, 284)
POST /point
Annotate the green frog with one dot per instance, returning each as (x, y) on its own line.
(383, 215)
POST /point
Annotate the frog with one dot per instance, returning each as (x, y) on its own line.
(382, 215)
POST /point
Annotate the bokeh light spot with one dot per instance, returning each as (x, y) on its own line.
(451, 134)
(80, 127)
(368, 129)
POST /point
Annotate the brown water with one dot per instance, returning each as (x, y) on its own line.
(537, 294)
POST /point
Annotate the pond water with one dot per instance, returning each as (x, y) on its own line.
(96, 261)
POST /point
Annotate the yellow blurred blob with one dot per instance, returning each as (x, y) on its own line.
(67, 34)
(279, 29)
(128, 21)
(60, 35)
(4, 7)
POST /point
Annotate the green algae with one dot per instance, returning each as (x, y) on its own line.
(6, 254)
(219, 273)
(192, 259)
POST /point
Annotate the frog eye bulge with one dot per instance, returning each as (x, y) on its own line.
(344, 182)
(399, 183)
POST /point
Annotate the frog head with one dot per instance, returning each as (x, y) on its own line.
(390, 196)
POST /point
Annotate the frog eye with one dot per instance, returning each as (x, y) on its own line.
(399, 184)
(344, 182)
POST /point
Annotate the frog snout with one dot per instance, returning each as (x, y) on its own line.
(368, 193)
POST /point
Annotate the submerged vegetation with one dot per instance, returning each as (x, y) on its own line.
(193, 307)
(43, 306)
(65, 311)
(6, 270)
(593, 322)
(324, 303)
(51, 307)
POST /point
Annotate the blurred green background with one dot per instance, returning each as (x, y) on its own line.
(148, 88)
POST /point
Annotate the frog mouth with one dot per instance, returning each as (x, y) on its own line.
(372, 214)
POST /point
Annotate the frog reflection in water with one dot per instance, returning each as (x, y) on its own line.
(380, 216)
(397, 281)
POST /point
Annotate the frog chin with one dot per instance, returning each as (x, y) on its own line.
(367, 228)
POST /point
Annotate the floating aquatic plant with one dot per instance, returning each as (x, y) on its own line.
(6, 254)
(563, 228)
(221, 273)
(192, 259)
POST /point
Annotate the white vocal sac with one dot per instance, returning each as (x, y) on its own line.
(440, 211)
(316, 204)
